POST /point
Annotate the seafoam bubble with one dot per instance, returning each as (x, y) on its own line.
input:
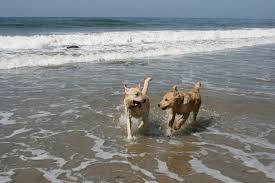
(6, 176)
(162, 168)
(175, 142)
(136, 168)
(244, 139)
(42, 133)
(69, 111)
(16, 132)
(52, 175)
(40, 114)
(84, 164)
(98, 148)
(39, 154)
(5, 118)
(199, 167)
(250, 160)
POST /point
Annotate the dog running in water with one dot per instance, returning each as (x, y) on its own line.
(182, 103)
(137, 105)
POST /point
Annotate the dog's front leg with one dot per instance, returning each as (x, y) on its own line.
(144, 121)
(129, 123)
(171, 119)
(141, 125)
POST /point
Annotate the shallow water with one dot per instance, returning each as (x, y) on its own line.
(66, 123)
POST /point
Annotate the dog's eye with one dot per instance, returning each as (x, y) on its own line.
(166, 99)
(137, 94)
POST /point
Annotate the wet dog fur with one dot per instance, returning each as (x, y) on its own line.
(137, 105)
(182, 103)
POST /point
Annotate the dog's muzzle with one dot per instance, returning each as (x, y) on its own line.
(163, 108)
(137, 103)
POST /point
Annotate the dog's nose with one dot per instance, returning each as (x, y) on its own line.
(159, 105)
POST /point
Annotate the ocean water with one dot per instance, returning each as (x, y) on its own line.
(61, 112)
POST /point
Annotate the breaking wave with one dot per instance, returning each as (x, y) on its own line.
(44, 50)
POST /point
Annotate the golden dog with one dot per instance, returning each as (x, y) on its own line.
(137, 105)
(178, 102)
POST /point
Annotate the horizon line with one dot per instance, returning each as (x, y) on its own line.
(164, 17)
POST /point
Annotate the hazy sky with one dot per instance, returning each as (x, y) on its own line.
(140, 8)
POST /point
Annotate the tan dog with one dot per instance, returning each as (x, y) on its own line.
(137, 105)
(182, 103)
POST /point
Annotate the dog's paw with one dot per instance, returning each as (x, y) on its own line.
(176, 127)
(169, 132)
(141, 125)
(130, 137)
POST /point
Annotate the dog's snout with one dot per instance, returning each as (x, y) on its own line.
(159, 105)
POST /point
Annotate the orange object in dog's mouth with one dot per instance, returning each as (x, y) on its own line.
(137, 103)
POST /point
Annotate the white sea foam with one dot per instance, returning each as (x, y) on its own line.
(261, 142)
(43, 50)
(162, 168)
(49, 174)
(69, 111)
(39, 154)
(98, 148)
(5, 118)
(250, 160)
(42, 133)
(52, 175)
(40, 114)
(199, 167)
(136, 168)
(16, 132)
(6, 176)
(84, 165)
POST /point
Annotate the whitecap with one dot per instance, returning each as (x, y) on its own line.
(45, 50)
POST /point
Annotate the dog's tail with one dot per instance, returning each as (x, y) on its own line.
(145, 86)
(197, 87)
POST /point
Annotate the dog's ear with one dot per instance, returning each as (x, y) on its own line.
(198, 84)
(126, 90)
(174, 88)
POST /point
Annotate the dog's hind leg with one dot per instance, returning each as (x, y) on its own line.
(181, 121)
(195, 113)
(145, 86)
